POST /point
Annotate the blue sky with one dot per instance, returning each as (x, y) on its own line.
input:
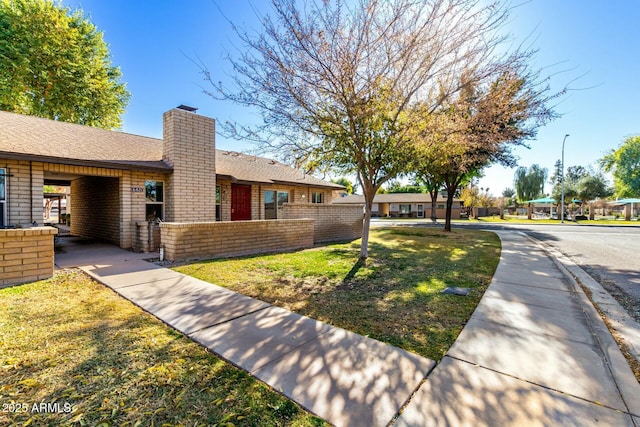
(155, 43)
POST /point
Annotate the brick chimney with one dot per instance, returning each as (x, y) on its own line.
(189, 147)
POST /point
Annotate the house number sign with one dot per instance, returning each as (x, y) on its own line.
(137, 189)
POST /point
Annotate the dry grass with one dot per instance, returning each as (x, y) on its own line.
(70, 341)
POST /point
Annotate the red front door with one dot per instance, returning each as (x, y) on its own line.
(240, 202)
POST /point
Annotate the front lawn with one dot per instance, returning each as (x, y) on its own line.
(394, 298)
(524, 220)
(74, 353)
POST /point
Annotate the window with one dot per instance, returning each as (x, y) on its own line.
(273, 204)
(405, 208)
(269, 205)
(154, 196)
(3, 197)
(218, 195)
(283, 197)
(316, 197)
(420, 211)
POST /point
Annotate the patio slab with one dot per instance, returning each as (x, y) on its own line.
(348, 379)
(256, 339)
(459, 394)
(88, 253)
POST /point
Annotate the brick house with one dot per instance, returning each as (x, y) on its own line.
(404, 205)
(119, 181)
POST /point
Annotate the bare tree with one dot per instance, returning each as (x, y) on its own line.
(335, 80)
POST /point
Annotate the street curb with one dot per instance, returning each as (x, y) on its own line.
(628, 329)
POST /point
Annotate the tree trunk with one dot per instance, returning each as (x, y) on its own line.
(369, 194)
(366, 222)
(447, 221)
(434, 205)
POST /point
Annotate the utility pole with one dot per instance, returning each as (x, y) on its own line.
(562, 198)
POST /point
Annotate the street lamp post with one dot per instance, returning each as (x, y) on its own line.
(562, 197)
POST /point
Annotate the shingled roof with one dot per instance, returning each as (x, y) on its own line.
(244, 167)
(33, 138)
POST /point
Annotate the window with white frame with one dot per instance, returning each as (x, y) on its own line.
(154, 198)
(3, 197)
(405, 208)
(317, 197)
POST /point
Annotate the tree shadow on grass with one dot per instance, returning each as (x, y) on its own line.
(113, 363)
(395, 295)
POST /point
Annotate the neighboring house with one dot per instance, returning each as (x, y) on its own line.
(121, 182)
(404, 205)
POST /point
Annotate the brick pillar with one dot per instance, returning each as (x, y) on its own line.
(189, 147)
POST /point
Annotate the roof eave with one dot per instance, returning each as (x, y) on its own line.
(311, 184)
(144, 166)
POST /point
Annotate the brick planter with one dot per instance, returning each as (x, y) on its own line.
(26, 254)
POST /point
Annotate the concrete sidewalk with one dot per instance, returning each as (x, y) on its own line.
(535, 352)
(345, 378)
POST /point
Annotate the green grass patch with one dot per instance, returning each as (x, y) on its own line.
(70, 341)
(608, 222)
(516, 220)
(393, 297)
(520, 220)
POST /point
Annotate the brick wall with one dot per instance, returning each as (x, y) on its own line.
(95, 207)
(134, 203)
(332, 223)
(189, 147)
(26, 255)
(146, 237)
(24, 192)
(88, 193)
(182, 241)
